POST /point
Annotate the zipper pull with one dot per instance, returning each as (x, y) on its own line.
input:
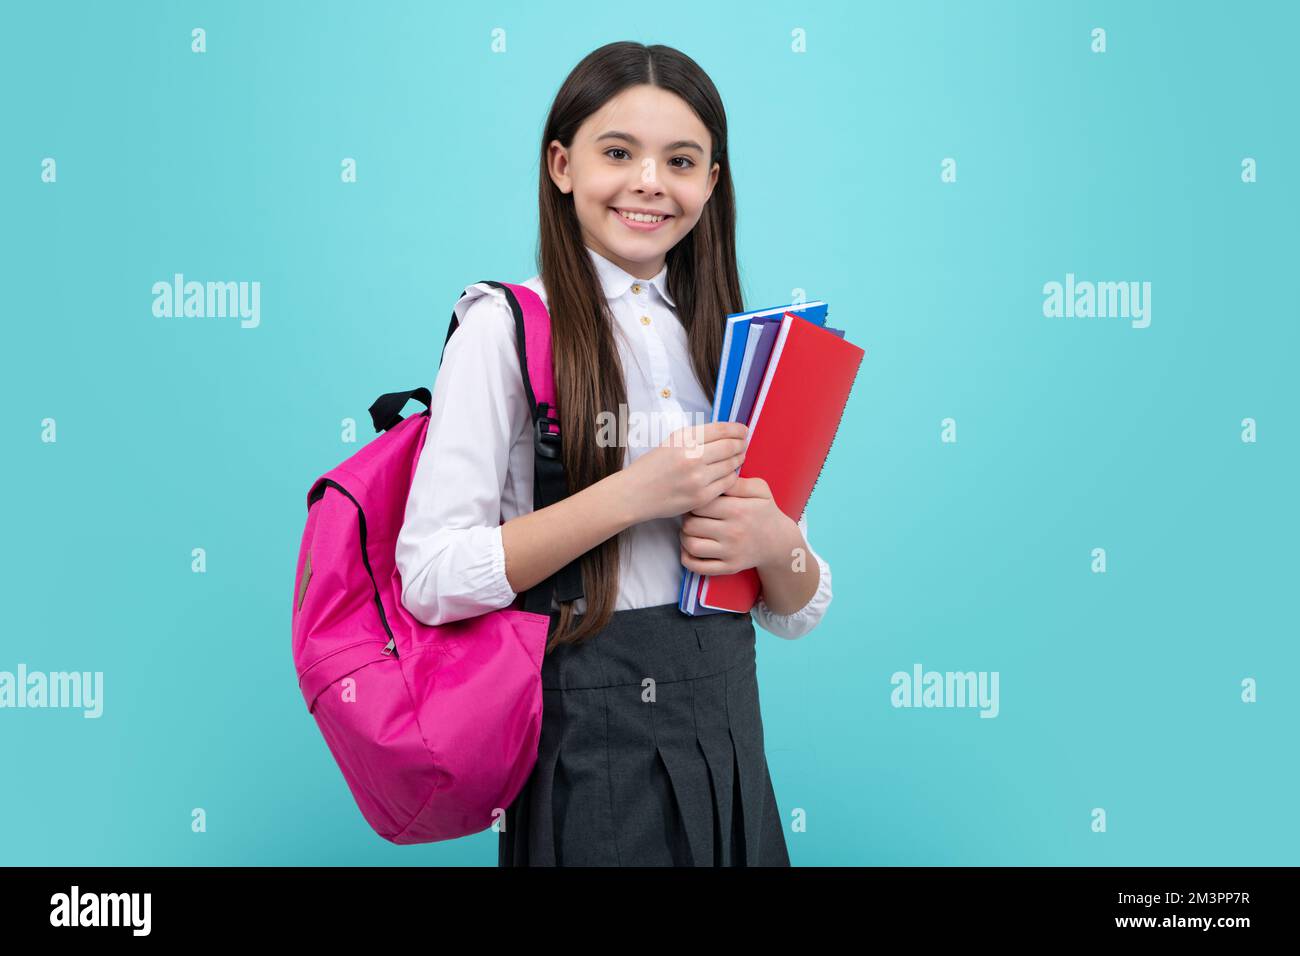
(391, 647)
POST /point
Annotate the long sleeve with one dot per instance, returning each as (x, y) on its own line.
(449, 551)
(798, 623)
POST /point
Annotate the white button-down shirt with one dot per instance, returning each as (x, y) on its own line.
(476, 468)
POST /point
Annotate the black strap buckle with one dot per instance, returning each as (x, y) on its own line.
(546, 442)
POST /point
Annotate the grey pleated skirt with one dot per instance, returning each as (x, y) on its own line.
(651, 751)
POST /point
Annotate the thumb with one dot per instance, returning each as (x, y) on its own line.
(750, 488)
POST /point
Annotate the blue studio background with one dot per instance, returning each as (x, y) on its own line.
(1120, 691)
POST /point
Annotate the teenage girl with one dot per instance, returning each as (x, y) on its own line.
(651, 750)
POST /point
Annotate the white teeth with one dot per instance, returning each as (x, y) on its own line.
(640, 216)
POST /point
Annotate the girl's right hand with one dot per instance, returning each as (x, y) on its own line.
(693, 466)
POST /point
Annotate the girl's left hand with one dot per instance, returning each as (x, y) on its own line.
(741, 528)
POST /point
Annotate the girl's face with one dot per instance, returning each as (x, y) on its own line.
(643, 151)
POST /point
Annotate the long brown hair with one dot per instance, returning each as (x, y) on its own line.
(703, 281)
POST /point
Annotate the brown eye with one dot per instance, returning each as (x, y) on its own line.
(616, 149)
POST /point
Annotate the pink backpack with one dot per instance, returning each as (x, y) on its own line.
(435, 728)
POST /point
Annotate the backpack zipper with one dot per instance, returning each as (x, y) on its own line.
(390, 649)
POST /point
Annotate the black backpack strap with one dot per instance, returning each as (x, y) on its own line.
(549, 485)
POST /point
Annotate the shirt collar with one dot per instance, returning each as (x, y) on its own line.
(616, 282)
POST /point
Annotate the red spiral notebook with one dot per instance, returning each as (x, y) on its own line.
(798, 410)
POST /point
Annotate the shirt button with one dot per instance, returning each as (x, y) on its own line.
(636, 288)
(645, 320)
(666, 392)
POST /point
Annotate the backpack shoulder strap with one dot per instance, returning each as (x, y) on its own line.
(533, 342)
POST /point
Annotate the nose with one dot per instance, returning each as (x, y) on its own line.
(647, 180)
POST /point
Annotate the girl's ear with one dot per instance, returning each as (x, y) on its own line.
(557, 165)
(713, 179)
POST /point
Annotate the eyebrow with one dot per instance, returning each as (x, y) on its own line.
(680, 144)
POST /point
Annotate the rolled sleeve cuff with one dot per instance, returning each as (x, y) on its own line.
(486, 575)
(798, 623)
(464, 575)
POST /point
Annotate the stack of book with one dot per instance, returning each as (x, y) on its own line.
(787, 376)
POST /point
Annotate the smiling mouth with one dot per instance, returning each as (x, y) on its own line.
(637, 216)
